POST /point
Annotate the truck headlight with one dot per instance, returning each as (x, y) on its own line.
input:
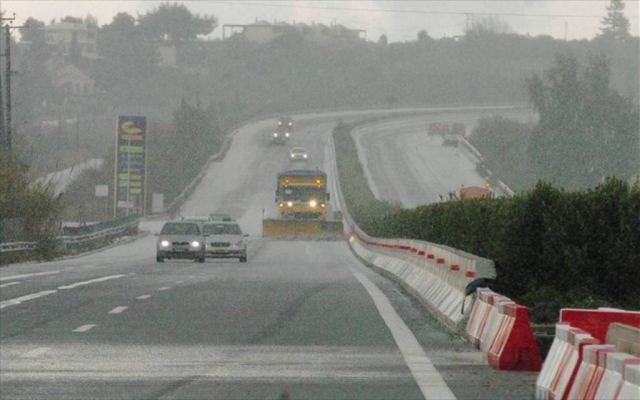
(195, 244)
(289, 203)
(164, 243)
(313, 204)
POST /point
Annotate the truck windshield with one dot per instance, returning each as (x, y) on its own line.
(303, 193)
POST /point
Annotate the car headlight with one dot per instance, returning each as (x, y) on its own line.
(290, 123)
(287, 134)
(239, 243)
(164, 243)
(281, 204)
(279, 123)
(313, 203)
(289, 203)
(275, 134)
(322, 205)
(195, 244)
(304, 155)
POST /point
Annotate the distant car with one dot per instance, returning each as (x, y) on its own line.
(298, 154)
(450, 139)
(220, 217)
(224, 239)
(181, 239)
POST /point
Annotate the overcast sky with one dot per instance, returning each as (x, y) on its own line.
(399, 20)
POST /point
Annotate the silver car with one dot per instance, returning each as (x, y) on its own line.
(298, 154)
(181, 239)
(224, 239)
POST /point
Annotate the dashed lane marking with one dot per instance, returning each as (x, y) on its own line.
(14, 277)
(89, 282)
(425, 374)
(10, 284)
(118, 310)
(163, 288)
(84, 328)
(22, 299)
(143, 297)
(35, 353)
(179, 282)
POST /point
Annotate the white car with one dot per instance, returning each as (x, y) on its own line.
(298, 154)
(224, 239)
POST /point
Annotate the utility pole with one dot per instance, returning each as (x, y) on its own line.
(7, 54)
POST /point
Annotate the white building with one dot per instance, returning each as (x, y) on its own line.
(62, 36)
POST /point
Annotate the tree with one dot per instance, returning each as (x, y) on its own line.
(586, 130)
(176, 23)
(615, 25)
(488, 25)
(127, 56)
(383, 40)
(423, 36)
(33, 32)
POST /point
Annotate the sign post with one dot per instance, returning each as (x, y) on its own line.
(130, 166)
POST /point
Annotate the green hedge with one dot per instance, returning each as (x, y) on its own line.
(551, 248)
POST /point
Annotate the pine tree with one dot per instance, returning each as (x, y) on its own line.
(615, 24)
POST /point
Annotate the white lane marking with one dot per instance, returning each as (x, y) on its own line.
(164, 288)
(84, 328)
(425, 374)
(144, 296)
(118, 310)
(35, 353)
(13, 277)
(10, 284)
(22, 299)
(84, 283)
(178, 282)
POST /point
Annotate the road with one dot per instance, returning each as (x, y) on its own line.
(405, 165)
(300, 320)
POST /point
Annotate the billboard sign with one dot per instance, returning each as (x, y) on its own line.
(130, 166)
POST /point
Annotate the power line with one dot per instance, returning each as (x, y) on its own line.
(409, 11)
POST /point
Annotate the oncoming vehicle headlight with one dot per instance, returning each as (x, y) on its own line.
(195, 244)
(164, 243)
(322, 205)
(289, 203)
(313, 204)
(275, 134)
(304, 155)
(287, 134)
(290, 123)
(281, 204)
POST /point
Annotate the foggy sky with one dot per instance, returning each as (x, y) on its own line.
(580, 18)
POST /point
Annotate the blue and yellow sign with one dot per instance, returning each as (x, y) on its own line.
(130, 166)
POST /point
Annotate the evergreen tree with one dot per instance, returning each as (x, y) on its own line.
(615, 25)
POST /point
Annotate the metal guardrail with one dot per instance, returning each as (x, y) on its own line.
(70, 240)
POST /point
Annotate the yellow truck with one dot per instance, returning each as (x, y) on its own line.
(302, 202)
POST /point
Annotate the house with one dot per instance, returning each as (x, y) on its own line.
(71, 32)
(264, 31)
(69, 79)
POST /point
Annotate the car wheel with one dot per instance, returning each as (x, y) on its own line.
(159, 259)
(243, 259)
(201, 259)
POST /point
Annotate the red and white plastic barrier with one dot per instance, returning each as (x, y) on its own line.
(579, 366)
(501, 329)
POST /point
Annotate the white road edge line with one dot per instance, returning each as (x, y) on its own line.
(143, 297)
(84, 328)
(118, 310)
(35, 353)
(22, 299)
(13, 277)
(425, 374)
(10, 284)
(96, 280)
(163, 288)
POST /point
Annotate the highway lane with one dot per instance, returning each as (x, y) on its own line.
(297, 319)
(405, 165)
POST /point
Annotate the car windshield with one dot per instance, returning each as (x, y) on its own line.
(221, 229)
(180, 228)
